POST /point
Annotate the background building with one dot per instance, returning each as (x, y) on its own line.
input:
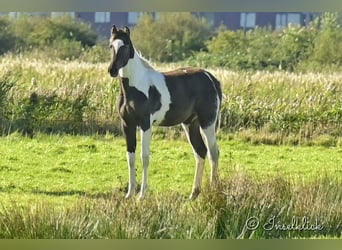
(102, 21)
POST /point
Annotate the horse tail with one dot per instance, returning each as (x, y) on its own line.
(217, 86)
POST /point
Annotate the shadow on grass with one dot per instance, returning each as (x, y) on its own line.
(101, 195)
(106, 195)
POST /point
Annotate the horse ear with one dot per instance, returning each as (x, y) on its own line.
(114, 29)
(126, 30)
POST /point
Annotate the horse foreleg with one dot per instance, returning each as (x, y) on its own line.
(145, 159)
(130, 135)
(131, 174)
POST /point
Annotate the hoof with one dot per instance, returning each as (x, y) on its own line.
(130, 190)
(129, 194)
(194, 194)
(141, 197)
(214, 181)
(142, 193)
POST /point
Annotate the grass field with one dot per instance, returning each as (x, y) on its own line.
(63, 170)
(73, 187)
(98, 163)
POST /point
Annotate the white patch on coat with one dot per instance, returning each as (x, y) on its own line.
(131, 173)
(142, 77)
(158, 81)
(117, 43)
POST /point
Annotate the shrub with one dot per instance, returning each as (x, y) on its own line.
(44, 33)
(97, 53)
(7, 36)
(73, 29)
(49, 111)
(317, 46)
(327, 47)
(65, 49)
(6, 84)
(293, 46)
(229, 47)
(253, 49)
(172, 37)
(62, 38)
(260, 50)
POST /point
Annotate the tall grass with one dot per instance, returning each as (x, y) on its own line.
(306, 105)
(77, 97)
(241, 207)
(53, 95)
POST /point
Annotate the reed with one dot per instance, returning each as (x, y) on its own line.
(79, 97)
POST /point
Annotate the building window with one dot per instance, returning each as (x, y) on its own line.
(247, 20)
(281, 21)
(133, 17)
(102, 17)
(59, 14)
(284, 19)
(14, 14)
(293, 18)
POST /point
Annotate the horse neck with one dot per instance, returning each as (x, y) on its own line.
(136, 70)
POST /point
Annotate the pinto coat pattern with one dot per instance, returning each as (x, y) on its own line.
(187, 96)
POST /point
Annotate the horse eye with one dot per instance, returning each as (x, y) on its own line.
(110, 46)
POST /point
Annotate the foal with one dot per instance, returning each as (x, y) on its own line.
(188, 96)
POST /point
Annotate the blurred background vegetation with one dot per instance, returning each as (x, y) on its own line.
(176, 37)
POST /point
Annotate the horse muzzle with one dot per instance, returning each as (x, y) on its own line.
(113, 71)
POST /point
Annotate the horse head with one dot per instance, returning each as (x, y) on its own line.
(121, 48)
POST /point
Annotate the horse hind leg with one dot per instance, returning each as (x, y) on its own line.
(194, 137)
(209, 136)
(145, 158)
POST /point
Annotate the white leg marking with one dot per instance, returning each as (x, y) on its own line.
(209, 137)
(145, 159)
(186, 129)
(196, 188)
(131, 173)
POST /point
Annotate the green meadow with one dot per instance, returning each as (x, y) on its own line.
(93, 165)
(62, 186)
(63, 170)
